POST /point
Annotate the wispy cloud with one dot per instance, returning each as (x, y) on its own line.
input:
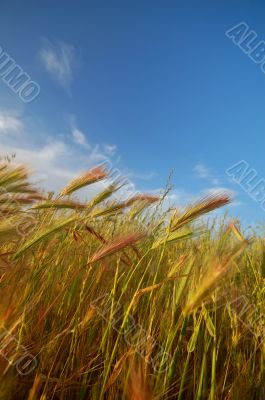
(9, 123)
(98, 151)
(78, 136)
(60, 61)
(56, 159)
(110, 149)
(204, 172)
(53, 160)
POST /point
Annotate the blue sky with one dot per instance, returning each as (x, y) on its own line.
(150, 85)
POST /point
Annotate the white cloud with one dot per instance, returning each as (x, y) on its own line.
(59, 60)
(204, 172)
(110, 149)
(44, 161)
(80, 138)
(215, 181)
(58, 159)
(9, 123)
(53, 161)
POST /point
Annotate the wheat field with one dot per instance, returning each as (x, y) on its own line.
(111, 299)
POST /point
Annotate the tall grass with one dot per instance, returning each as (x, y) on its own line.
(120, 300)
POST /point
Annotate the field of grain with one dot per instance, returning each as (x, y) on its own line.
(114, 299)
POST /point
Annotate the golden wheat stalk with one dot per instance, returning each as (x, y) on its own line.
(60, 204)
(93, 175)
(200, 208)
(115, 246)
